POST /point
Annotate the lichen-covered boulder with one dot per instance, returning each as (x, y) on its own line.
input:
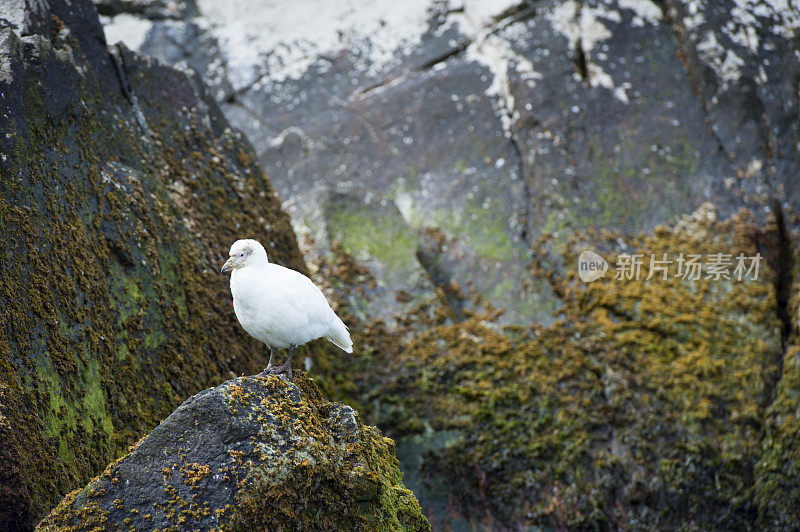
(254, 453)
(651, 403)
(121, 189)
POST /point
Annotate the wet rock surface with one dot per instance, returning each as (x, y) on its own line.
(253, 453)
(496, 122)
(122, 186)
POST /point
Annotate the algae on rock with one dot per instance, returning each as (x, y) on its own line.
(777, 473)
(122, 187)
(644, 404)
(254, 453)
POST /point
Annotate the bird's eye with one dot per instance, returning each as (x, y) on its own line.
(241, 255)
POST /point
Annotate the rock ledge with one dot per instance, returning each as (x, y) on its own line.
(252, 453)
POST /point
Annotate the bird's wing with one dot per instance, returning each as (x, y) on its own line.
(304, 296)
(300, 309)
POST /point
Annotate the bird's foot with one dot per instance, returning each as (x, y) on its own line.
(285, 368)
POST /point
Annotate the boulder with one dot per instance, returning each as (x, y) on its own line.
(254, 453)
(122, 188)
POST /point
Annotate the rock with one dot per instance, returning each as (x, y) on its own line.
(122, 188)
(663, 404)
(777, 473)
(361, 225)
(509, 133)
(253, 453)
(495, 123)
(504, 132)
(149, 9)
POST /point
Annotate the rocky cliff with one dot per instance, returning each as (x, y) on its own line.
(493, 122)
(649, 404)
(446, 161)
(254, 453)
(122, 188)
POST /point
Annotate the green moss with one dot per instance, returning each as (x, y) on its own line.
(111, 245)
(643, 404)
(366, 471)
(303, 460)
(777, 473)
(484, 225)
(627, 188)
(95, 399)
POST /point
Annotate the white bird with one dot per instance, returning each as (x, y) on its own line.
(278, 306)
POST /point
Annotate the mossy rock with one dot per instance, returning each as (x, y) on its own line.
(643, 406)
(254, 453)
(122, 188)
(778, 472)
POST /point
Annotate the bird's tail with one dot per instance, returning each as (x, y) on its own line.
(339, 336)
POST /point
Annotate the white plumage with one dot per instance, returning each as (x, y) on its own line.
(278, 306)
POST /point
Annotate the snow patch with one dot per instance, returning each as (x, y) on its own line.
(129, 29)
(575, 23)
(482, 13)
(783, 15)
(581, 26)
(750, 21)
(644, 11)
(496, 54)
(725, 63)
(285, 38)
(492, 47)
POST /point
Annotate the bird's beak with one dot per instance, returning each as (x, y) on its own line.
(228, 266)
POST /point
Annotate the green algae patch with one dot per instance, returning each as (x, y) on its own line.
(253, 453)
(367, 231)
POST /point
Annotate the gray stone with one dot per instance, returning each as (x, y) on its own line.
(502, 123)
(253, 452)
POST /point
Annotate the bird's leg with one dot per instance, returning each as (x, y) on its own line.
(268, 369)
(271, 358)
(286, 367)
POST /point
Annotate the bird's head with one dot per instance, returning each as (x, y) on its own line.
(245, 253)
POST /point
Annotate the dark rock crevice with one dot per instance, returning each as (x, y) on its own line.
(234, 95)
(148, 9)
(786, 265)
(369, 90)
(429, 256)
(780, 253)
(117, 55)
(580, 62)
(524, 210)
